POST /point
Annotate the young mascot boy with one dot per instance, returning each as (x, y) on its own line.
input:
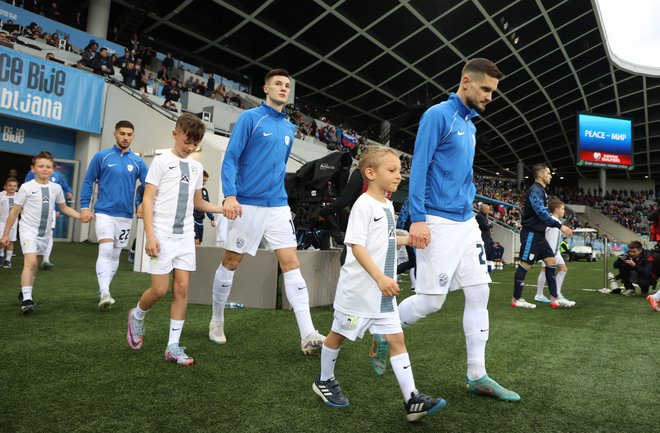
(173, 186)
(365, 298)
(35, 201)
(6, 203)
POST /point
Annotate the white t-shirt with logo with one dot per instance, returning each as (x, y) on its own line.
(176, 180)
(553, 236)
(371, 224)
(6, 203)
(38, 201)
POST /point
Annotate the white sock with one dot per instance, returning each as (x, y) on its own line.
(9, 254)
(540, 283)
(139, 313)
(176, 326)
(328, 361)
(27, 292)
(116, 253)
(296, 293)
(2, 253)
(49, 249)
(656, 296)
(476, 329)
(413, 278)
(221, 288)
(560, 280)
(404, 375)
(104, 267)
(418, 306)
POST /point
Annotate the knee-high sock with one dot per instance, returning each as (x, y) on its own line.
(328, 361)
(540, 283)
(519, 281)
(104, 267)
(49, 249)
(221, 288)
(9, 254)
(296, 293)
(552, 280)
(476, 329)
(176, 327)
(413, 277)
(116, 253)
(418, 306)
(560, 281)
(404, 375)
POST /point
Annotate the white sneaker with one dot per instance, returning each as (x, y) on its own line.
(541, 298)
(217, 332)
(106, 301)
(572, 303)
(561, 303)
(312, 342)
(521, 303)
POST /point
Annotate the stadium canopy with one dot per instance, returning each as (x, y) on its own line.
(388, 60)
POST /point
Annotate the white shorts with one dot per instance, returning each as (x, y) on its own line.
(558, 258)
(353, 327)
(12, 232)
(116, 228)
(175, 253)
(274, 224)
(454, 258)
(35, 245)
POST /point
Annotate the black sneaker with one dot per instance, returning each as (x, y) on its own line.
(330, 392)
(27, 306)
(419, 405)
(6, 264)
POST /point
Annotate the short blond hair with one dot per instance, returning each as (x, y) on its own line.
(372, 157)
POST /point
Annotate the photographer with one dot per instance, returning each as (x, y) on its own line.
(638, 266)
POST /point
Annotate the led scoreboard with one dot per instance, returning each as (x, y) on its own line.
(604, 141)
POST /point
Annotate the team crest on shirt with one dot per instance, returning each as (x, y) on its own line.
(185, 178)
(193, 169)
(45, 199)
(287, 140)
(443, 279)
(240, 242)
(130, 167)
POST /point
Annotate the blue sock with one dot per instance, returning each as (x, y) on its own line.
(551, 279)
(519, 281)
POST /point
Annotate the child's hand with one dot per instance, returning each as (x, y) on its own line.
(4, 241)
(388, 286)
(152, 247)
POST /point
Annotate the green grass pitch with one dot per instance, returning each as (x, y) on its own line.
(67, 368)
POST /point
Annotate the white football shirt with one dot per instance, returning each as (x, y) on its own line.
(176, 180)
(38, 201)
(6, 203)
(553, 236)
(371, 225)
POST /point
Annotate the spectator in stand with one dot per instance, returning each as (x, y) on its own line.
(163, 74)
(34, 6)
(168, 104)
(50, 56)
(4, 37)
(78, 20)
(56, 40)
(102, 64)
(219, 93)
(190, 84)
(132, 77)
(135, 42)
(171, 90)
(124, 60)
(89, 53)
(168, 63)
(210, 85)
(53, 11)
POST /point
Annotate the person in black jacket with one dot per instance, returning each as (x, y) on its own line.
(638, 266)
(484, 226)
(101, 63)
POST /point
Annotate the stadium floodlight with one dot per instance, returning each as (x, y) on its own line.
(631, 33)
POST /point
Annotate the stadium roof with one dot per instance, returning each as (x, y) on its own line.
(371, 61)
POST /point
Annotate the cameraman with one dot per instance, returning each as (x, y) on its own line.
(638, 266)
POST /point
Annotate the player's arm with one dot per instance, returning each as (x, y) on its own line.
(68, 210)
(140, 191)
(387, 285)
(429, 135)
(87, 189)
(11, 218)
(239, 138)
(152, 247)
(402, 240)
(536, 200)
(203, 205)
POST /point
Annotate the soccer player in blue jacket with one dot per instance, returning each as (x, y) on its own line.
(533, 244)
(256, 205)
(451, 253)
(116, 170)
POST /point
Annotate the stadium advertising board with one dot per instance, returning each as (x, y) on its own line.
(604, 141)
(47, 92)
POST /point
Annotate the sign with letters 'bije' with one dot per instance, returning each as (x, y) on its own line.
(45, 91)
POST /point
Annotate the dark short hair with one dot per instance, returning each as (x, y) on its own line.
(192, 126)
(636, 245)
(538, 168)
(205, 174)
(274, 72)
(554, 204)
(10, 179)
(482, 66)
(124, 124)
(43, 155)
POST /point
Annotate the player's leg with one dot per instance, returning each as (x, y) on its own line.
(135, 332)
(525, 263)
(30, 266)
(540, 284)
(105, 233)
(9, 251)
(561, 275)
(326, 385)
(222, 283)
(45, 261)
(180, 285)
